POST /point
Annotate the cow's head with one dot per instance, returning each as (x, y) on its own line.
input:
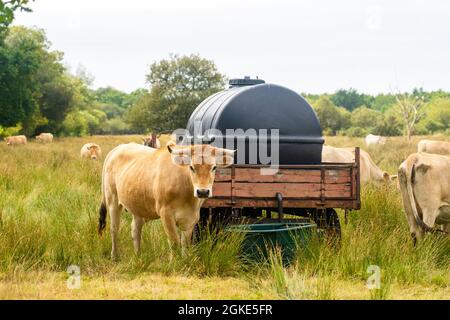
(8, 141)
(202, 162)
(151, 141)
(94, 151)
(38, 137)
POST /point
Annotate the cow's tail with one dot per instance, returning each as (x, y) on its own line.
(102, 218)
(410, 176)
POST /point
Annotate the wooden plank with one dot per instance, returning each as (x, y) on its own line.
(284, 175)
(221, 189)
(268, 203)
(288, 190)
(223, 174)
(262, 190)
(338, 180)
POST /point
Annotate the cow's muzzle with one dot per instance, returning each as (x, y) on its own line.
(203, 193)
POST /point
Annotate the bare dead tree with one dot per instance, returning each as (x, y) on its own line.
(411, 110)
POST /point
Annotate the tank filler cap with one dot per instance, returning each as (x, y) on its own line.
(246, 81)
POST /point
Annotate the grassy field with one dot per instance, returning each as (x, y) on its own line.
(49, 199)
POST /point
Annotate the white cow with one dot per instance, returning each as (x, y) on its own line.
(15, 140)
(369, 170)
(91, 151)
(424, 181)
(45, 138)
(373, 140)
(436, 147)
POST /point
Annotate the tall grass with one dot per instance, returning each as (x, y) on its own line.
(378, 235)
(49, 199)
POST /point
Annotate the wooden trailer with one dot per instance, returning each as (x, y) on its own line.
(313, 192)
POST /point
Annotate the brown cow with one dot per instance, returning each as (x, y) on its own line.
(152, 141)
(15, 140)
(91, 151)
(169, 183)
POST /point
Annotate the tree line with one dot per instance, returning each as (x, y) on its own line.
(350, 113)
(38, 93)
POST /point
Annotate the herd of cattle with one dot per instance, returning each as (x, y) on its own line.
(172, 183)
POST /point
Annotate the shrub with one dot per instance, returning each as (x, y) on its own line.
(10, 131)
(355, 132)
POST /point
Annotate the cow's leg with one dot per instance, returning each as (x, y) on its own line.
(429, 216)
(136, 229)
(186, 237)
(415, 231)
(115, 211)
(170, 227)
(447, 229)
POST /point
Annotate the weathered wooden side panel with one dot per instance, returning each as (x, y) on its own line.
(311, 186)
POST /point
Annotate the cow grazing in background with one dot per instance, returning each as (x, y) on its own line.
(369, 170)
(374, 140)
(436, 147)
(45, 138)
(16, 140)
(91, 151)
(424, 181)
(169, 183)
(152, 141)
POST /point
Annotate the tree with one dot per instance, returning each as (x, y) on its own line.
(21, 54)
(390, 125)
(364, 117)
(35, 88)
(7, 10)
(332, 118)
(438, 115)
(383, 102)
(410, 108)
(351, 99)
(177, 86)
(109, 95)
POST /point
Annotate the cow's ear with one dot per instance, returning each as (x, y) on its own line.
(224, 157)
(170, 145)
(180, 156)
(422, 168)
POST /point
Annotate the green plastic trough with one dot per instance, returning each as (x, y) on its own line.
(260, 238)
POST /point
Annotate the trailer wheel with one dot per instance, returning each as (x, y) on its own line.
(328, 225)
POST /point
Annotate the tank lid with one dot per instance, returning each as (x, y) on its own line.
(244, 82)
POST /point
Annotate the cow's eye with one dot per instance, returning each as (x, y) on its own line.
(192, 168)
(214, 168)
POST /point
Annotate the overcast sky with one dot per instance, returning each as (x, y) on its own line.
(310, 46)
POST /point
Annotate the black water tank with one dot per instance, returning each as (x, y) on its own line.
(254, 104)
